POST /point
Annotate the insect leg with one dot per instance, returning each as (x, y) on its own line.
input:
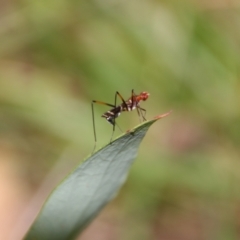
(123, 101)
(143, 115)
(138, 108)
(94, 129)
(134, 100)
(114, 117)
(93, 120)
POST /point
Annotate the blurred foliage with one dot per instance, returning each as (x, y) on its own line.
(56, 56)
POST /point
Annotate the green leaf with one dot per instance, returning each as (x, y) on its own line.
(80, 197)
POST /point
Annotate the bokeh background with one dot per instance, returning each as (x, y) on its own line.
(57, 56)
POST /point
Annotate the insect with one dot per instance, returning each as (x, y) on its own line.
(126, 106)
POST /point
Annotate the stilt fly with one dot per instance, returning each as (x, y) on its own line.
(129, 105)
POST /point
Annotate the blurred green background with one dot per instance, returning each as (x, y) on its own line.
(57, 56)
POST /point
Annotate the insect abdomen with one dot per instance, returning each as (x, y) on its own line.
(112, 114)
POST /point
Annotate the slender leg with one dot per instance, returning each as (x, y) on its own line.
(139, 115)
(115, 105)
(103, 103)
(143, 115)
(133, 98)
(138, 108)
(113, 122)
(93, 119)
(94, 129)
(124, 102)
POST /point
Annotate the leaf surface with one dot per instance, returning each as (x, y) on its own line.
(85, 191)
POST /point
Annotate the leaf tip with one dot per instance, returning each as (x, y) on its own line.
(162, 115)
